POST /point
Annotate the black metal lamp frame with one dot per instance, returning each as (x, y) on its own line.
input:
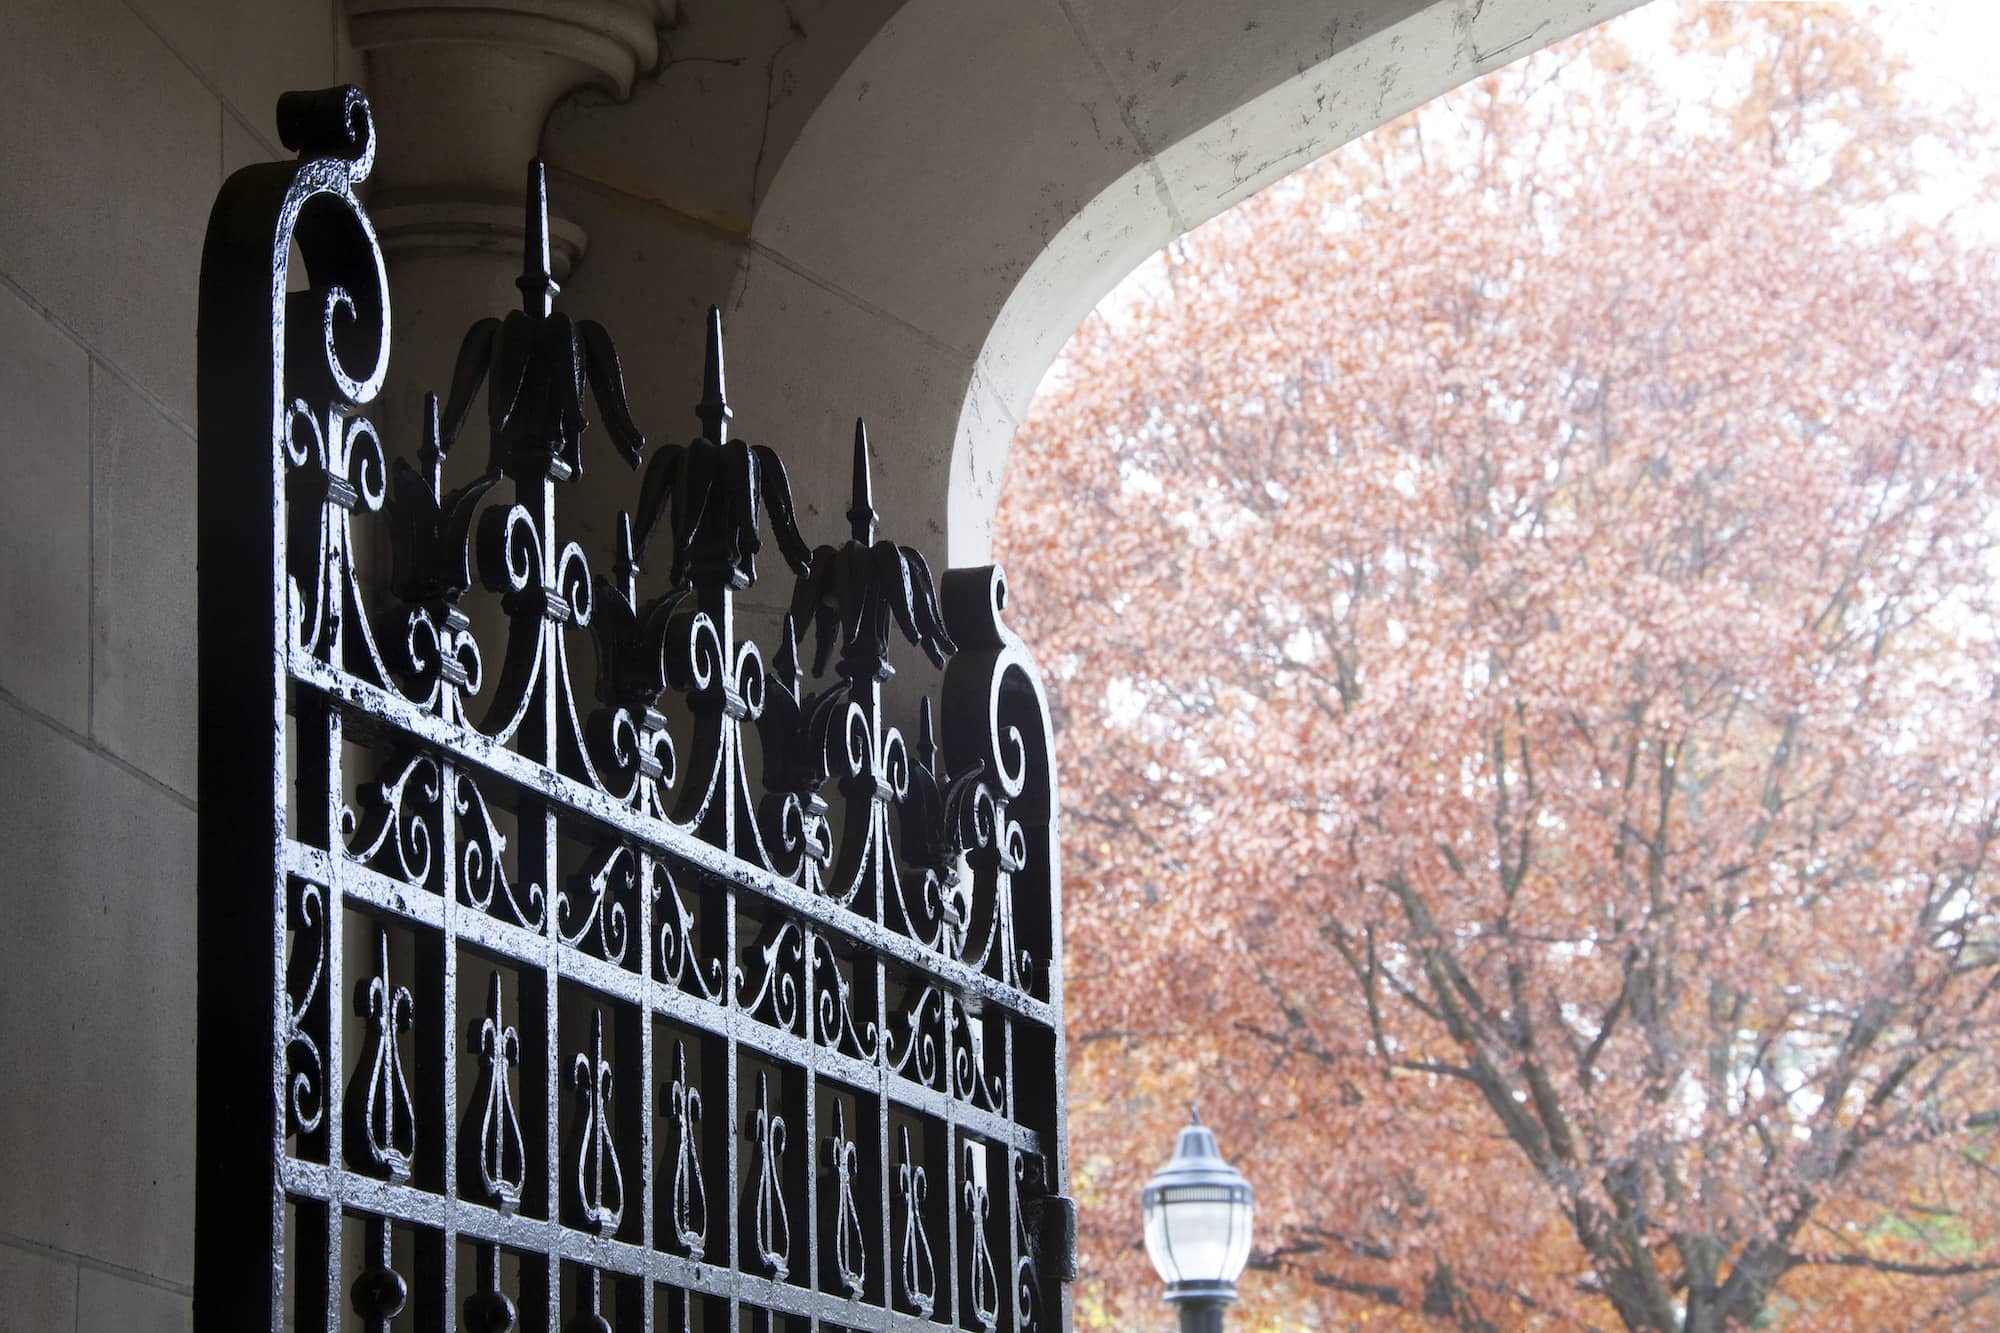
(1197, 1168)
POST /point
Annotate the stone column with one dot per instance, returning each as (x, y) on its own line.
(461, 91)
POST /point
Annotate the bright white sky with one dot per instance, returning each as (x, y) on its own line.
(1951, 46)
(1951, 41)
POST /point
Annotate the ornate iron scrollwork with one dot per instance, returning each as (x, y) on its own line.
(305, 1063)
(850, 1242)
(982, 1282)
(770, 1223)
(381, 1119)
(917, 1271)
(593, 1182)
(492, 1157)
(574, 786)
(689, 1205)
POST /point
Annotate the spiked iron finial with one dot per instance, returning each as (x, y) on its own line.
(926, 736)
(432, 453)
(861, 513)
(713, 409)
(627, 567)
(786, 667)
(537, 284)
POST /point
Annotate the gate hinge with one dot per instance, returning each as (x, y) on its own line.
(1050, 1219)
(1055, 1225)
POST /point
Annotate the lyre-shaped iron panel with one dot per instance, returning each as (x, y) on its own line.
(567, 961)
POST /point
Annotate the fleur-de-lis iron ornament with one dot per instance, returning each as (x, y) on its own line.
(492, 1159)
(918, 1271)
(934, 818)
(628, 737)
(430, 535)
(850, 1241)
(381, 1129)
(574, 817)
(534, 365)
(594, 1187)
(854, 590)
(983, 1279)
(689, 1204)
(770, 1227)
(796, 731)
(710, 489)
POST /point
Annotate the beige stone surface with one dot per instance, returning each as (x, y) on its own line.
(97, 986)
(143, 607)
(244, 143)
(249, 51)
(108, 152)
(1179, 76)
(108, 1303)
(985, 128)
(37, 1292)
(735, 84)
(44, 516)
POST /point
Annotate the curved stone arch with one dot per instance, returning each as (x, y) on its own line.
(998, 168)
(906, 206)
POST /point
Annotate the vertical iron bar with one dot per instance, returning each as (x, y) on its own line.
(539, 738)
(954, 1204)
(437, 1077)
(732, 1118)
(804, 1164)
(633, 1114)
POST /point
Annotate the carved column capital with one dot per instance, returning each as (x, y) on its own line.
(462, 89)
(615, 38)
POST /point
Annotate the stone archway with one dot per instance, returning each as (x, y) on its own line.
(917, 243)
(905, 206)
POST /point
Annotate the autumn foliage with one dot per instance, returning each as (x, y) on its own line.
(1520, 603)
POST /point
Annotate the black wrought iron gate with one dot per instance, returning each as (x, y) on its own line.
(526, 1007)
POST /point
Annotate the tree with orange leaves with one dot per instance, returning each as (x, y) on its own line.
(1519, 605)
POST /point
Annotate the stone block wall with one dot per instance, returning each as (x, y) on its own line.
(120, 121)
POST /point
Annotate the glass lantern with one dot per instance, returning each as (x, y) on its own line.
(1197, 1211)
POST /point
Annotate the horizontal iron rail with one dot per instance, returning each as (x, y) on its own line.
(374, 706)
(531, 949)
(348, 1190)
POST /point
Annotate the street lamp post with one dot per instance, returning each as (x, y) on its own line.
(1197, 1212)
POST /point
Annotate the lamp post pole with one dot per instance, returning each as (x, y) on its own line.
(1197, 1212)
(1201, 1314)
